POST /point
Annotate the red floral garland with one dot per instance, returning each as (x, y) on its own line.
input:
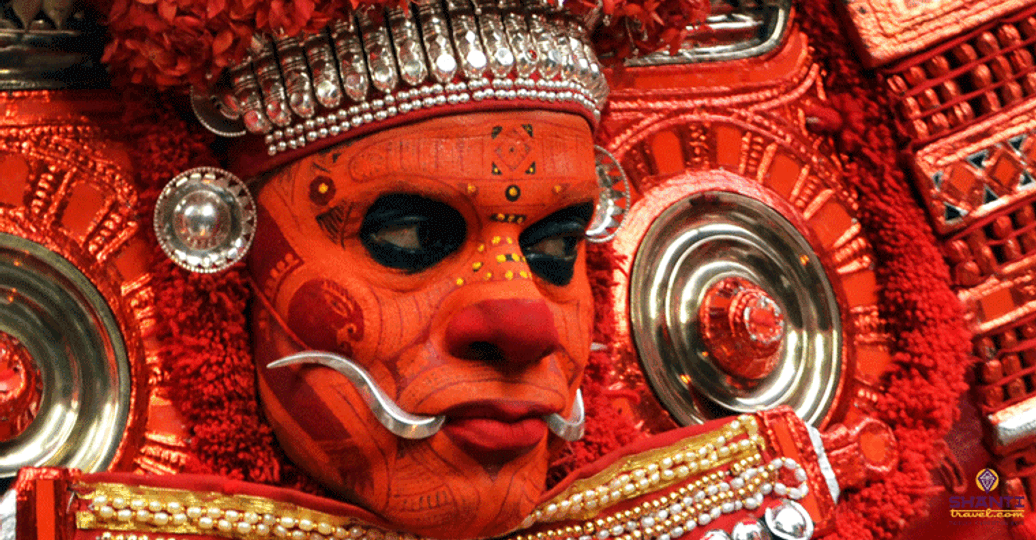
(176, 43)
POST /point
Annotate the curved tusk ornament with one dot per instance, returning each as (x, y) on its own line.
(412, 426)
(574, 427)
(395, 419)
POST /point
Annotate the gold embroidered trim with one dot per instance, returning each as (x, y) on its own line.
(120, 507)
(725, 465)
(655, 470)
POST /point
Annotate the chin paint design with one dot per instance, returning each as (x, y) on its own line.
(445, 258)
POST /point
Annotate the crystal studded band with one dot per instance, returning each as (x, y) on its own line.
(379, 65)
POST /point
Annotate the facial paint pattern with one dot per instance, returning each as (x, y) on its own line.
(477, 336)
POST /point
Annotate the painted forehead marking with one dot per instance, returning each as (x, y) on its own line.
(515, 147)
(512, 169)
(506, 153)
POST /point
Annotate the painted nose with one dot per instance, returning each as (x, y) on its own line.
(512, 333)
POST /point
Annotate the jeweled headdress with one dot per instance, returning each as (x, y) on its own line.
(299, 76)
(290, 79)
(375, 66)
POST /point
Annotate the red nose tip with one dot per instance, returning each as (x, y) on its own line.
(511, 332)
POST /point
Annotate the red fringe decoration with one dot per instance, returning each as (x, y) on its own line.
(205, 353)
(931, 344)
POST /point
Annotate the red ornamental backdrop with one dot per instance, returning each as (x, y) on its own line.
(867, 164)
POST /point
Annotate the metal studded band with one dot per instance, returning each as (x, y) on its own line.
(379, 64)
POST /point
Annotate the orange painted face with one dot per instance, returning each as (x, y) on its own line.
(446, 259)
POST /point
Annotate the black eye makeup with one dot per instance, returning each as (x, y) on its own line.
(411, 232)
(551, 244)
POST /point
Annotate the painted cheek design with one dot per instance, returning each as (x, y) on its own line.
(326, 317)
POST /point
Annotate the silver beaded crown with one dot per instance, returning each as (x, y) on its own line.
(379, 64)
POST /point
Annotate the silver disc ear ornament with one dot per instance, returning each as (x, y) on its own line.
(205, 219)
(614, 201)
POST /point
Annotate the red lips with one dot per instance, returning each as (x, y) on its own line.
(496, 431)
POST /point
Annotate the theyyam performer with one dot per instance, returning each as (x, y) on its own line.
(410, 300)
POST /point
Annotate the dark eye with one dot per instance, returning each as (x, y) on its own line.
(411, 232)
(551, 244)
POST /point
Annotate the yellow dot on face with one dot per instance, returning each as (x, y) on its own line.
(509, 275)
(481, 248)
(512, 191)
(489, 276)
(476, 266)
(496, 240)
(460, 281)
(557, 189)
(322, 188)
(524, 274)
(501, 258)
(509, 240)
(500, 217)
(472, 189)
